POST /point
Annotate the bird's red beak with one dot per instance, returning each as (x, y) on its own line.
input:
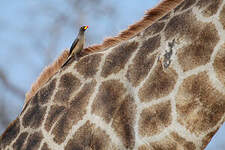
(85, 27)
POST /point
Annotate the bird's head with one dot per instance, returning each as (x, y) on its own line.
(83, 28)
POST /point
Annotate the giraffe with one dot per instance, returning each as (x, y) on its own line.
(162, 89)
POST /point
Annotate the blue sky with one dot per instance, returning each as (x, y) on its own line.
(18, 56)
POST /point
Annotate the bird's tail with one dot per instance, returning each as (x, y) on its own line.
(67, 61)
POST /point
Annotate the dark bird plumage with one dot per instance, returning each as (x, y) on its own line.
(77, 45)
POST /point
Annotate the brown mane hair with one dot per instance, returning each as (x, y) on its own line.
(149, 18)
(46, 74)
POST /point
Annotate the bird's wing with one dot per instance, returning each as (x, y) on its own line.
(73, 45)
(66, 61)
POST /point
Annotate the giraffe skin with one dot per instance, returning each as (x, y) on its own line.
(163, 89)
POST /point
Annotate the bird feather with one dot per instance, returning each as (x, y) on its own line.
(73, 45)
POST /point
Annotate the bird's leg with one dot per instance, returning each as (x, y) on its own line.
(76, 57)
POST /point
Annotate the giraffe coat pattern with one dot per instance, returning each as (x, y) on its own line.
(125, 98)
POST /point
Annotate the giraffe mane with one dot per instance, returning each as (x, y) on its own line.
(149, 18)
(46, 74)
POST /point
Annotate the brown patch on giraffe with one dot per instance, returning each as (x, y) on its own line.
(187, 145)
(62, 127)
(34, 116)
(18, 144)
(163, 144)
(123, 122)
(88, 66)
(143, 61)
(46, 74)
(199, 105)
(45, 147)
(202, 37)
(209, 7)
(68, 84)
(199, 52)
(159, 84)
(54, 113)
(108, 99)
(44, 94)
(222, 17)
(171, 142)
(74, 113)
(153, 29)
(184, 5)
(208, 138)
(89, 137)
(34, 141)
(118, 57)
(219, 64)
(155, 119)
(144, 147)
(10, 134)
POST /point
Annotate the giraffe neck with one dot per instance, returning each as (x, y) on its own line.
(162, 89)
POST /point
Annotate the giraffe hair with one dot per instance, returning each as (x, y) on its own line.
(149, 18)
(46, 74)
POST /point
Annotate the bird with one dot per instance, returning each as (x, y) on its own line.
(77, 45)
